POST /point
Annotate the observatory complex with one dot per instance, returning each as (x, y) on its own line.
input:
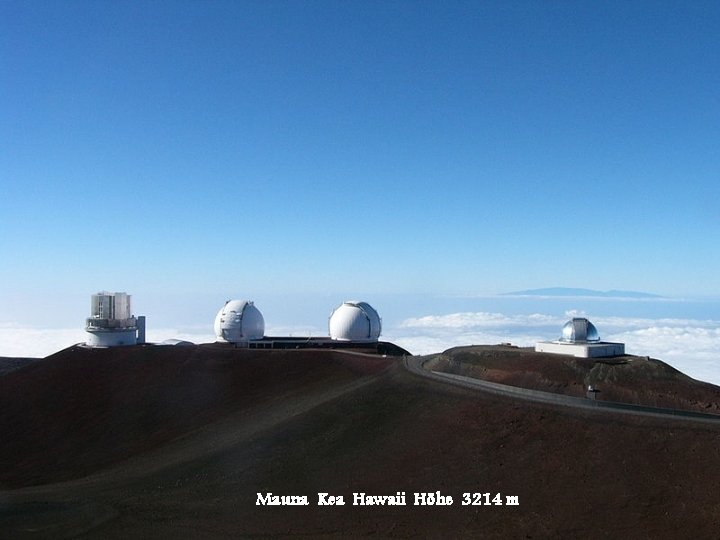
(111, 322)
(580, 338)
(352, 325)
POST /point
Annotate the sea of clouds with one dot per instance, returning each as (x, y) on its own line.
(26, 342)
(690, 345)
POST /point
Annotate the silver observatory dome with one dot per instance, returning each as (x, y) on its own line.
(579, 330)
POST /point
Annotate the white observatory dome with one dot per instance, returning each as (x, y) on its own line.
(579, 330)
(355, 321)
(239, 320)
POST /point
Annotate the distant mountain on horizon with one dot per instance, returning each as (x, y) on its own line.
(569, 291)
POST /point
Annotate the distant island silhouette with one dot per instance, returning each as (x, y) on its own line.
(569, 291)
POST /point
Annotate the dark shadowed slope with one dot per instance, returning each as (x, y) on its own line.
(578, 474)
(10, 364)
(82, 409)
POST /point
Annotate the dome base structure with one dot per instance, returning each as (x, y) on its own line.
(598, 349)
(111, 338)
(580, 338)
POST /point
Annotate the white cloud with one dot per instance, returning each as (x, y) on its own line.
(480, 320)
(639, 322)
(436, 333)
(438, 342)
(694, 350)
(22, 341)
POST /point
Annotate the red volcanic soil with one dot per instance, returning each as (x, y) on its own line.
(637, 380)
(177, 443)
(82, 409)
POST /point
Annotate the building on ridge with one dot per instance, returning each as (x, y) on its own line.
(580, 338)
(111, 322)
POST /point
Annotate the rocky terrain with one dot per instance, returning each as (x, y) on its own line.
(177, 442)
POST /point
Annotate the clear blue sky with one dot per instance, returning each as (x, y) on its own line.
(358, 148)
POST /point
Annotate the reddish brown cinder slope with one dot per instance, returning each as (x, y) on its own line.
(83, 409)
(576, 473)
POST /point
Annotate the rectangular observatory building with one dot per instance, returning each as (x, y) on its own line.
(111, 322)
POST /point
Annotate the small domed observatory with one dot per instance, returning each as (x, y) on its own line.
(111, 322)
(580, 338)
(579, 330)
(239, 321)
(355, 321)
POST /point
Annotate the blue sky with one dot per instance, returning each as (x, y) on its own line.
(355, 149)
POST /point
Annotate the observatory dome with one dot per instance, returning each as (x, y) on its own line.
(579, 330)
(239, 320)
(355, 321)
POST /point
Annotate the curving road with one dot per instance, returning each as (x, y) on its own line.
(415, 364)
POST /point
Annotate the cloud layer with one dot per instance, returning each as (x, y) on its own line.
(19, 341)
(22, 341)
